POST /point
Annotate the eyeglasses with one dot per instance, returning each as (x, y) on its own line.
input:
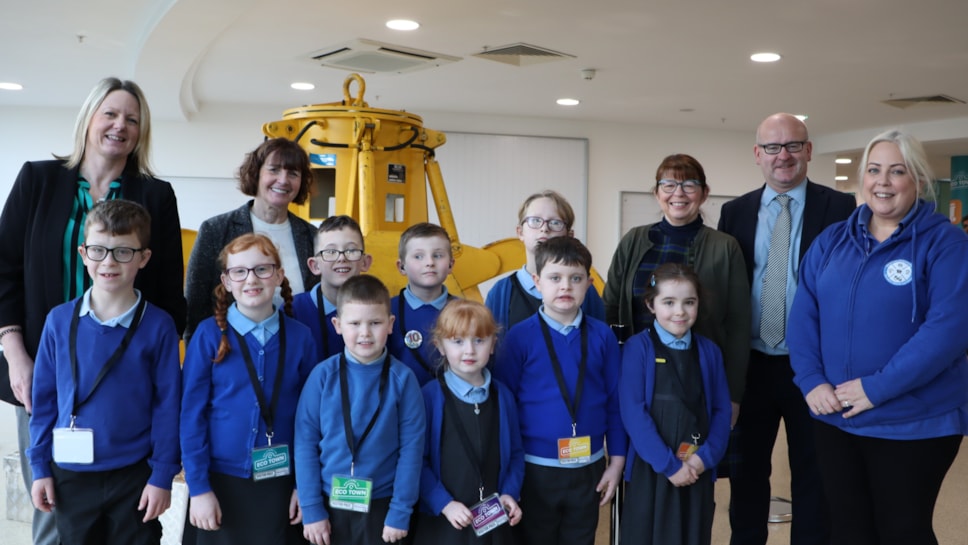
(688, 186)
(351, 254)
(239, 274)
(535, 222)
(792, 147)
(120, 254)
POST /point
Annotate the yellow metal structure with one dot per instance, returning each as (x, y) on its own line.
(375, 165)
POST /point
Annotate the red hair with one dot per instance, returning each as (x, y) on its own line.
(223, 297)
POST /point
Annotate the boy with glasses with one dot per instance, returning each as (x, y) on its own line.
(106, 394)
(339, 256)
(542, 216)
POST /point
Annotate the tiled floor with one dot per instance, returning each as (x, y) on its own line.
(951, 522)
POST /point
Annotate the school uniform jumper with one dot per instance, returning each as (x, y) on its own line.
(391, 453)
(133, 414)
(509, 302)
(492, 427)
(663, 405)
(305, 308)
(222, 422)
(525, 367)
(412, 314)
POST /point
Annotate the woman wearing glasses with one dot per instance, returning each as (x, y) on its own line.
(681, 237)
(275, 174)
(42, 224)
(513, 298)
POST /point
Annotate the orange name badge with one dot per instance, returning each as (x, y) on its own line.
(686, 450)
(574, 450)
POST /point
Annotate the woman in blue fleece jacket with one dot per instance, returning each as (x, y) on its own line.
(877, 342)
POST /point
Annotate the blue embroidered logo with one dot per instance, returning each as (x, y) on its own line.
(898, 272)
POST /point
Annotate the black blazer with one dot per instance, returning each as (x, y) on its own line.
(33, 223)
(823, 207)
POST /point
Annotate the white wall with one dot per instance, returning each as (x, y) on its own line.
(622, 157)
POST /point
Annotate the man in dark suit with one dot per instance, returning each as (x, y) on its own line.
(803, 209)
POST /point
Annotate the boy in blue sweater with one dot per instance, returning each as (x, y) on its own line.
(106, 392)
(563, 368)
(426, 260)
(360, 427)
(340, 255)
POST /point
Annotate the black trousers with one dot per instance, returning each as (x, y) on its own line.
(770, 396)
(882, 491)
(98, 507)
(560, 505)
(362, 528)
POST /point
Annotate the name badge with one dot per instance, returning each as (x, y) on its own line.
(74, 446)
(574, 450)
(351, 493)
(488, 515)
(686, 450)
(270, 462)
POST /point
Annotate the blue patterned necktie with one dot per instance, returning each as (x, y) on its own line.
(773, 295)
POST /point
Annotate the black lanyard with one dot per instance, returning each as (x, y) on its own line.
(323, 324)
(556, 365)
(118, 352)
(476, 459)
(268, 412)
(344, 390)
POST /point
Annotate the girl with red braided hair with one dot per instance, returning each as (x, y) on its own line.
(242, 376)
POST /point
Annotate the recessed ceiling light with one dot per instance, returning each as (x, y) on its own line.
(843, 160)
(403, 24)
(801, 117)
(765, 57)
(303, 86)
(568, 102)
(9, 86)
(841, 178)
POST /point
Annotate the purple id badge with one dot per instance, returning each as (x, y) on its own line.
(488, 515)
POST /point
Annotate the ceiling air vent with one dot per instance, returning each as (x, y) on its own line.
(903, 103)
(371, 56)
(522, 54)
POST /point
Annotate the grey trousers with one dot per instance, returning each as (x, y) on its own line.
(44, 526)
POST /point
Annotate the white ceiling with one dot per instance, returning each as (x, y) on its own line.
(841, 58)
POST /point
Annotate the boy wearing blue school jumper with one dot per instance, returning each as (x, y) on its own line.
(340, 255)
(563, 367)
(360, 427)
(106, 391)
(426, 260)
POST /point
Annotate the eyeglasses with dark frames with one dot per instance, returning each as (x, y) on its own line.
(239, 274)
(330, 255)
(534, 222)
(688, 186)
(120, 254)
(774, 148)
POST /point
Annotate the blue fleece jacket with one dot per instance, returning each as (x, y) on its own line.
(891, 314)
(637, 390)
(220, 418)
(525, 367)
(434, 496)
(133, 412)
(392, 453)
